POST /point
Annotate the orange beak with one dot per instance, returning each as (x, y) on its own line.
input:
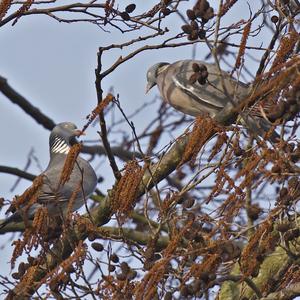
(79, 132)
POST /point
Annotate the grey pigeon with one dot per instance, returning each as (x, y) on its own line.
(195, 88)
(53, 195)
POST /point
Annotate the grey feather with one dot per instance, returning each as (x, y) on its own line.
(208, 99)
(53, 195)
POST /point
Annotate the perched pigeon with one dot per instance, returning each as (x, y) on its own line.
(52, 194)
(195, 88)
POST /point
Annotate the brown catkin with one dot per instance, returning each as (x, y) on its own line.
(286, 47)
(226, 6)
(4, 7)
(242, 48)
(69, 163)
(126, 190)
(97, 110)
(203, 129)
(29, 196)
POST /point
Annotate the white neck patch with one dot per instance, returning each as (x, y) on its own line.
(60, 146)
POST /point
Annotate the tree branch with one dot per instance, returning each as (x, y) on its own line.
(17, 172)
(24, 104)
(287, 293)
(118, 151)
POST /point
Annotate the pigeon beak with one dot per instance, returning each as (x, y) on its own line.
(149, 86)
(79, 132)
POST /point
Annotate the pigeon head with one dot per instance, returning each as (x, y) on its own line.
(152, 74)
(63, 136)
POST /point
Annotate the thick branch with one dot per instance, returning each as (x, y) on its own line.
(289, 292)
(134, 235)
(17, 172)
(24, 104)
(118, 151)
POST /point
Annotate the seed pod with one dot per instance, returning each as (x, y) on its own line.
(278, 112)
(254, 211)
(283, 192)
(195, 67)
(202, 67)
(70, 269)
(197, 284)
(187, 29)
(212, 276)
(111, 268)
(184, 292)
(204, 276)
(283, 227)
(204, 74)
(165, 11)
(132, 274)
(114, 258)
(97, 247)
(125, 16)
(156, 256)
(167, 2)
(295, 156)
(289, 148)
(293, 110)
(15, 275)
(198, 13)
(276, 169)
(22, 269)
(209, 14)
(92, 236)
(238, 151)
(81, 228)
(202, 6)
(130, 8)
(193, 36)
(287, 200)
(201, 81)
(274, 19)
(190, 14)
(188, 203)
(148, 264)
(189, 235)
(121, 277)
(53, 286)
(125, 268)
(65, 279)
(194, 25)
(194, 77)
(30, 260)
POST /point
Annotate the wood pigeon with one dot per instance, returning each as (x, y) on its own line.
(52, 194)
(195, 88)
